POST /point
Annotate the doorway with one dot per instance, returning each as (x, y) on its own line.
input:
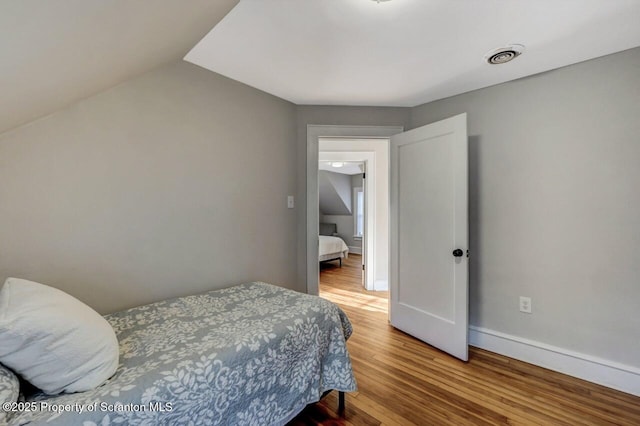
(343, 233)
(373, 156)
(337, 139)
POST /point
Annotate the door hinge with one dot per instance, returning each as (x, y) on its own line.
(363, 267)
(364, 175)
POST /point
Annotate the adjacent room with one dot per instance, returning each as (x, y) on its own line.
(340, 212)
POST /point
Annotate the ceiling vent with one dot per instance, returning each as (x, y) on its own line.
(502, 55)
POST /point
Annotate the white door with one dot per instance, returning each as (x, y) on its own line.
(429, 234)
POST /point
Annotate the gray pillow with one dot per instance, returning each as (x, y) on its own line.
(328, 229)
(9, 389)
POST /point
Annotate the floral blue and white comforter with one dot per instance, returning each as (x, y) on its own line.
(254, 354)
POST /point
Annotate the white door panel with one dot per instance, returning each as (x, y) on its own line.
(429, 285)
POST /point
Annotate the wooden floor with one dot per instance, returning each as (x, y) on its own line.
(403, 381)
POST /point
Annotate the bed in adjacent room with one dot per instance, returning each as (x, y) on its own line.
(253, 354)
(331, 247)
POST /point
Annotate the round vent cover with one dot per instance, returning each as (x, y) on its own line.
(505, 54)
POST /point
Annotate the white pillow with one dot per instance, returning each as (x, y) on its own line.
(53, 340)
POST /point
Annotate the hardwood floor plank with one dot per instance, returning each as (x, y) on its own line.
(403, 381)
(464, 389)
(387, 417)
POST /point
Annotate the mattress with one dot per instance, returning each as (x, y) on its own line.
(332, 246)
(253, 354)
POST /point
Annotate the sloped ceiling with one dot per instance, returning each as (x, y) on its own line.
(334, 193)
(54, 53)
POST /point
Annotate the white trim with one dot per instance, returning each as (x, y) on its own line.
(355, 250)
(618, 376)
(381, 285)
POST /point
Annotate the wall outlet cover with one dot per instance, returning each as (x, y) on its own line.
(525, 304)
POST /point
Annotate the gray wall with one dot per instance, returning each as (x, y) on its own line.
(555, 204)
(356, 180)
(331, 115)
(169, 184)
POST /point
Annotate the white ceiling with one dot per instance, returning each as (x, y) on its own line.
(348, 168)
(54, 53)
(405, 52)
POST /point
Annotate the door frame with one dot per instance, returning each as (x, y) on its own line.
(314, 133)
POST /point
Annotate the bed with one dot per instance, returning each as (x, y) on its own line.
(331, 247)
(253, 354)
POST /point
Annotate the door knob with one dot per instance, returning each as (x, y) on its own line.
(458, 253)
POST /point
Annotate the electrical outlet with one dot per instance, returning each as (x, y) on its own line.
(290, 202)
(525, 304)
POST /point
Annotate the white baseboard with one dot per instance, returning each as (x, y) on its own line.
(355, 250)
(597, 370)
(381, 285)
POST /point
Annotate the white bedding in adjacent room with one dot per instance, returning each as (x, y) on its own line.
(334, 246)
